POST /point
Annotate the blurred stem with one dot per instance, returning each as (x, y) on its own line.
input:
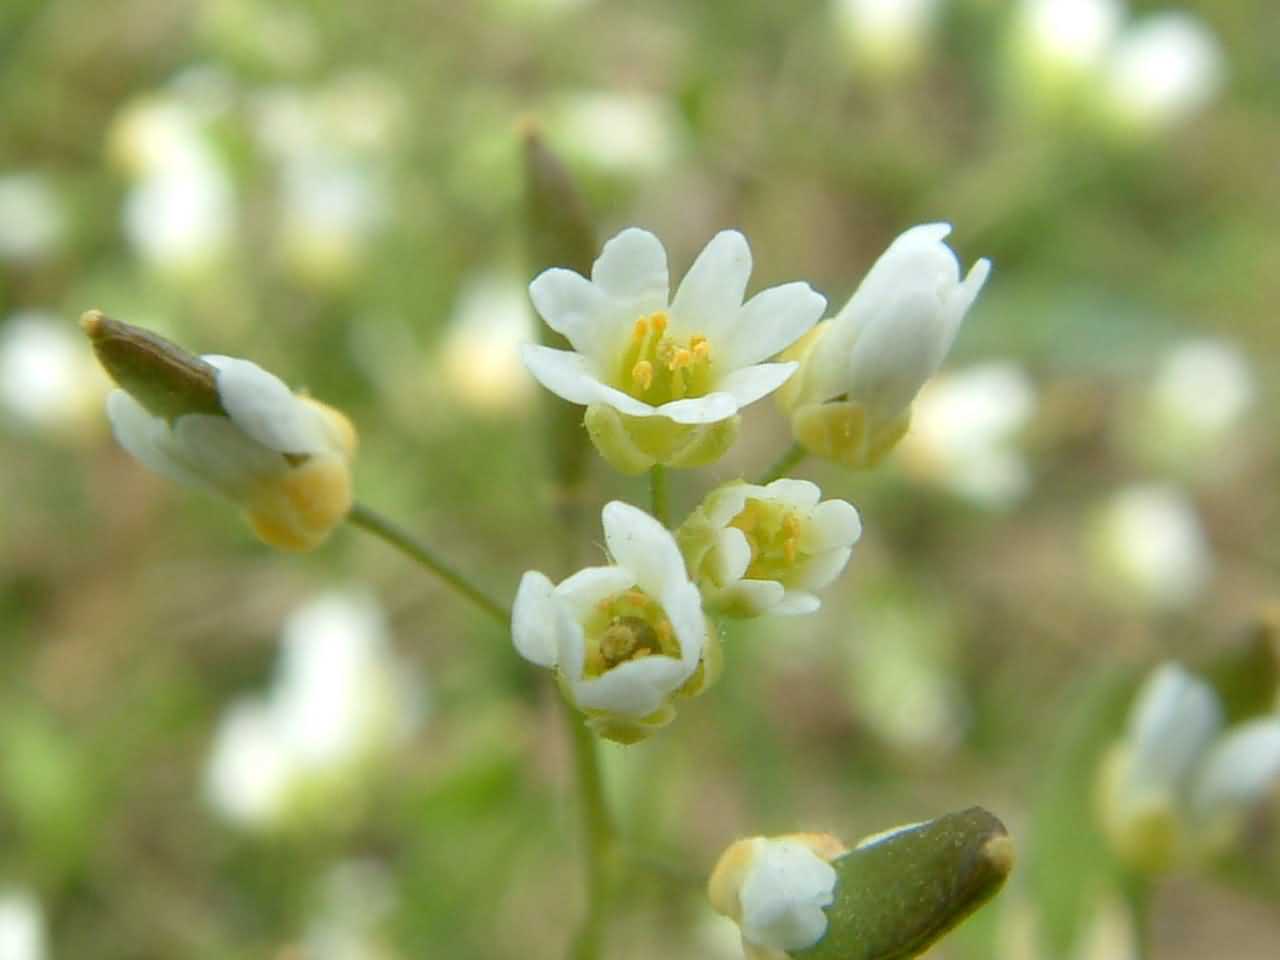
(387, 530)
(597, 837)
(784, 463)
(1137, 896)
(658, 492)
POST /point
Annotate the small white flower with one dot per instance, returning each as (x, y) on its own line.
(963, 427)
(1151, 548)
(765, 549)
(1177, 784)
(776, 889)
(22, 931)
(886, 35)
(1164, 69)
(851, 399)
(283, 456)
(620, 133)
(46, 379)
(480, 355)
(695, 359)
(33, 221)
(623, 639)
(1068, 35)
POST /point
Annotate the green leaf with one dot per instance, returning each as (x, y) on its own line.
(899, 892)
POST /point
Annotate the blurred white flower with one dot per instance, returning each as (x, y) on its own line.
(480, 355)
(624, 640)
(1164, 69)
(180, 212)
(886, 35)
(355, 900)
(340, 697)
(850, 401)
(1068, 36)
(621, 133)
(47, 378)
(1177, 785)
(22, 932)
(331, 208)
(776, 889)
(33, 221)
(964, 427)
(1151, 549)
(764, 549)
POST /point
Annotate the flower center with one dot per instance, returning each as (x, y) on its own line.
(627, 626)
(773, 533)
(657, 369)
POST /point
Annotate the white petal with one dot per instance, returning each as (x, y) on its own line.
(1174, 719)
(570, 375)
(682, 604)
(712, 408)
(711, 293)
(727, 502)
(632, 267)
(732, 556)
(223, 454)
(643, 546)
(1240, 770)
(586, 588)
(801, 494)
(821, 569)
(535, 620)
(262, 406)
(633, 689)
(832, 524)
(752, 598)
(770, 322)
(147, 438)
(783, 894)
(957, 303)
(576, 308)
(751, 383)
(796, 603)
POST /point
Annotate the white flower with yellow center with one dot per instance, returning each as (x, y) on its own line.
(765, 549)
(663, 378)
(851, 400)
(228, 426)
(625, 639)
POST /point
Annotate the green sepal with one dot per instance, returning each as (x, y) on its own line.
(897, 893)
(167, 380)
(1246, 674)
(632, 445)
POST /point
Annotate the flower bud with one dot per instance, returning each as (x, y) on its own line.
(756, 549)
(626, 641)
(889, 898)
(227, 425)
(850, 401)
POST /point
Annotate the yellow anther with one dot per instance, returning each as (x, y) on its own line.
(790, 547)
(659, 321)
(664, 633)
(701, 349)
(642, 375)
(637, 597)
(640, 330)
(680, 359)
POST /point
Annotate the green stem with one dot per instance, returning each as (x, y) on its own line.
(784, 463)
(384, 529)
(597, 837)
(1138, 896)
(658, 494)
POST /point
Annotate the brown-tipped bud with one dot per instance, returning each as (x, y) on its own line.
(168, 381)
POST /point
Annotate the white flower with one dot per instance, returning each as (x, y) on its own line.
(1204, 386)
(480, 356)
(46, 379)
(339, 696)
(776, 889)
(765, 549)
(625, 639)
(1164, 69)
(620, 133)
(33, 221)
(963, 427)
(886, 35)
(283, 456)
(850, 401)
(694, 360)
(22, 935)
(1069, 35)
(1151, 548)
(1177, 784)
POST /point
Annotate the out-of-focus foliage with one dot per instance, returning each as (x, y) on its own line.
(334, 190)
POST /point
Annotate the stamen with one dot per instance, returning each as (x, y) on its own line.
(659, 321)
(642, 374)
(680, 359)
(701, 349)
(640, 330)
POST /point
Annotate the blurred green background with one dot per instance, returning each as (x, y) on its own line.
(334, 190)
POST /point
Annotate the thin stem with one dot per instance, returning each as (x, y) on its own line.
(597, 837)
(385, 529)
(658, 497)
(1137, 895)
(785, 462)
